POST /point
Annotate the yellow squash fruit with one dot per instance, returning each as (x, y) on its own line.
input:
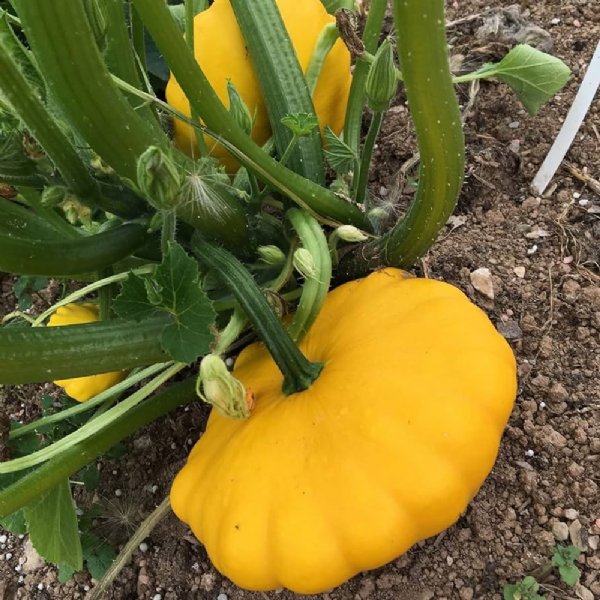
(83, 388)
(221, 52)
(386, 448)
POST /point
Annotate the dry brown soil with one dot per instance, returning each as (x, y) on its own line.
(544, 257)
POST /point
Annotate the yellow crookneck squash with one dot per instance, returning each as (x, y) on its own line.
(220, 50)
(83, 388)
(386, 448)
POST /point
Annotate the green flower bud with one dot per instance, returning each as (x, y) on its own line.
(218, 387)
(349, 233)
(272, 255)
(381, 84)
(304, 263)
(238, 109)
(55, 194)
(158, 178)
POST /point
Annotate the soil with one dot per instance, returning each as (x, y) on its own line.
(543, 255)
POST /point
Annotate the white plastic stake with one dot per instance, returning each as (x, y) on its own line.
(571, 126)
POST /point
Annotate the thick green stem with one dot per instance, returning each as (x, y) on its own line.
(367, 153)
(119, 56)
(282, 81)
(33, 484)
(25, 101)
(357, 99)
(315, 288)
(71, 256)
(298, 371)
(217, 119)
(77, 77)
(436, 116)
(39, 354)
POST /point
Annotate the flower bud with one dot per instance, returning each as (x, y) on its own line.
(304, 263)
(238, 109)
(158, 178)
(349, 233)
(381, 84)
(272, 255)
(222, 390)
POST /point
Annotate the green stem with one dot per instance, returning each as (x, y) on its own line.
(34, 484)
(282, 81)
(140, 534)
(436, 116)
(367, 154)
(298, 371)
(30, 109)
(234, 328)
(72, 256)
(288, 151)
(91, 427)
(83, 89)
(120, 57)
(315, 288)
(169, 228)
(138, 37)
(115, 390)
(33, 199)
(189, 38)
(325, 42)
(357, 99)
(190, 77)
(39, 354)
(105, 295)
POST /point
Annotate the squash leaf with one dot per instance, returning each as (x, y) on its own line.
(174, 290)
(53, 528)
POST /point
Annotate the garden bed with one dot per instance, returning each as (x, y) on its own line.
(543, 255)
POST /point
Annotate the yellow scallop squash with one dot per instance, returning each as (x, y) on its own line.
(220, 50)
(386, 448)
(83, 388)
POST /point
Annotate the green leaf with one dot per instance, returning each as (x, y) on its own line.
(526, 589)
(175, 289)
(132, 302)
(189, 335)
(65, 572)
(14, 523)
(533, 75)
(90, 476)
(97, 553)
(569, 574)
(340, 156)
(53, 529)
(300, 124)
(178, 12)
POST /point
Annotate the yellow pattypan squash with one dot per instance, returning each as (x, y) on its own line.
(220, 50)
(83, 388)
(386, 448)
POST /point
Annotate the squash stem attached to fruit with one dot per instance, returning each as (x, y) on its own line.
(367, 153)
(298, 371)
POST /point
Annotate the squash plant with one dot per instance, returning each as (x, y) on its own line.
(217, 213)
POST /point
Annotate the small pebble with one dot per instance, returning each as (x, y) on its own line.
(222, 597)
(571, 514)
(530, 453)
(143, 547)
(86, 588)
(229, 362)
(3, 539)
(542, 405)
(8, 555)
(118, 493)
(514, 124)
(560, 531)
(154, 489)
(18, 568)
(157, 597)
(555, 21)
(532, 250)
